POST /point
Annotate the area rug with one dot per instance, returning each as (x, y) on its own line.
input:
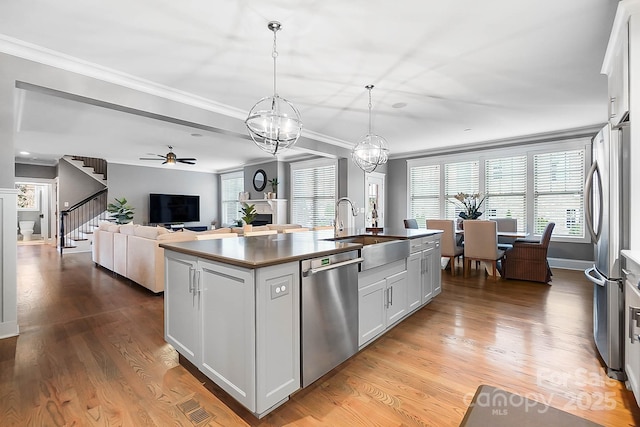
(495, 407)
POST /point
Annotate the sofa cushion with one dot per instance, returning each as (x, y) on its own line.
(180, 237)
(281, 227)
(128, 228)
(113, 228)
(146, 232)
(104, 225)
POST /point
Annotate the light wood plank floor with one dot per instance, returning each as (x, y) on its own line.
(91, 352)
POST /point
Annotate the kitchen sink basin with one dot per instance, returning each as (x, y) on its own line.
(378, 250)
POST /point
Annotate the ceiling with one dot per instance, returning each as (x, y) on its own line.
(446, 74)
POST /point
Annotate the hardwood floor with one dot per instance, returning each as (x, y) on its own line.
(91, 352)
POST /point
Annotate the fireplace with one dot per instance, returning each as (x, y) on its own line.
(262, 219)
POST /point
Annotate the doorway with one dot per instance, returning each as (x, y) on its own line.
(35, 207)
(374, 190)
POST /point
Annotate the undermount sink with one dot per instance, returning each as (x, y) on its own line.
(378, 250)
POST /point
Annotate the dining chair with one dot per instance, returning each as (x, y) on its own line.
(506, 224)
(481, 244)
(410, 223)
(527, 260)
(260, 233)
(448, 243)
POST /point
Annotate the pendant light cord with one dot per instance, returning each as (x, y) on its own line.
(369, 109)
(274, 54)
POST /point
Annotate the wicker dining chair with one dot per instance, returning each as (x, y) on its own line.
(527, 260)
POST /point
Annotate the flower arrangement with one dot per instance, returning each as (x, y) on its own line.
(470, 204)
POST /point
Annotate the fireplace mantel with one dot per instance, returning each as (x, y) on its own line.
(276, 207)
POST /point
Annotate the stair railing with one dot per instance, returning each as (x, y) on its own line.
(82, 218)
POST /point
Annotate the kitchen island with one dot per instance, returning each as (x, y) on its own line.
(233, 306)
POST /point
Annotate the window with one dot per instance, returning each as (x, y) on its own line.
(461, 177)
(230, 185)
(27, 197)
(533, 183)
(313, 192)
(558, 192)
(425, 197)
(506, 189)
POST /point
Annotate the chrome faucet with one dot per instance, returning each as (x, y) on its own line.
(339, 226)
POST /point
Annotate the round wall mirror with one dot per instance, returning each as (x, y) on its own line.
(259, 180)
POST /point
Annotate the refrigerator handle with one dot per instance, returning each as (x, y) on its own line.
(588, 208)
(594, 277)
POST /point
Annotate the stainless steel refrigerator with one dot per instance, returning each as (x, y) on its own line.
(607, 221)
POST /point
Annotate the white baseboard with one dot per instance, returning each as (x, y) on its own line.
(569, 264)
(8, 329)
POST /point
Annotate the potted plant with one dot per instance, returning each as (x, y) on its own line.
(249, 213)
(120, 211)
(470, 204)
(274, 187)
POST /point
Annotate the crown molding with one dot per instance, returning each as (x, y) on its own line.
(42, 55)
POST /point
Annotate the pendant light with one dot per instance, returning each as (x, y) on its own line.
(371, 150)
(274, 123)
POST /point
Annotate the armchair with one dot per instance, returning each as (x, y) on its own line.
(527, 260)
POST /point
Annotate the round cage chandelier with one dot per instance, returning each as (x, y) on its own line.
(371, 151)
(274, 123)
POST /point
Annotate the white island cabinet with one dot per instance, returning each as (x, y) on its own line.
(238, 326)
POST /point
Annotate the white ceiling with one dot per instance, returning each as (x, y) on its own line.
(447, 73)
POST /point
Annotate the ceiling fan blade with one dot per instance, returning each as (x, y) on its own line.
(149, 158)
(191, 159)
(165, 162)
(185, 161)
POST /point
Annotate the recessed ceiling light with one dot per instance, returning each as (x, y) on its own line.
(24, 153)
(196, 135)
(467, 130)
(399, 105)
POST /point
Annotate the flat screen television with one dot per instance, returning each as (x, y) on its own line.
(173, 208)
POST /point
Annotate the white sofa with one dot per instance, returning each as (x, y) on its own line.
(134, 251)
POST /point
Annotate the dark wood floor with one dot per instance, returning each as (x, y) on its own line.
(91, 352)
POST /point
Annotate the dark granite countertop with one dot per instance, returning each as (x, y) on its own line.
(263, 251)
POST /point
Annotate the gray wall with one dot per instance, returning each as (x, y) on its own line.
(74, 185)
(35, 171)
(271, 170)
(135, 183)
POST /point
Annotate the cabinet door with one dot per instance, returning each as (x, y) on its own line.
(436, 270)
(427, 273)
(396, 297)
(618, 80)
(414, 281)
(632, 341)
(228, 329)
(371, 311)
(278, 334)
(182, 305)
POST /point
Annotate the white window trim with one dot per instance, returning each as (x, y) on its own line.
(529, 150)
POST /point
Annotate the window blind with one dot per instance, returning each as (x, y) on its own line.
(313, 194)
(230, 185)
(461, 177)
(506, 189)
(558, 192)
(424, 184)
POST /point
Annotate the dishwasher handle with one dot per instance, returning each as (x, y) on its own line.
(313, 271)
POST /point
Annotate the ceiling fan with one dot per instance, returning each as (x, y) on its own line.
(170, 158)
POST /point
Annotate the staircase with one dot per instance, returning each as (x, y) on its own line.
(78, 222)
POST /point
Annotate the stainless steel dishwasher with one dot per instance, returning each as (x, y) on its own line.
(329, 311)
